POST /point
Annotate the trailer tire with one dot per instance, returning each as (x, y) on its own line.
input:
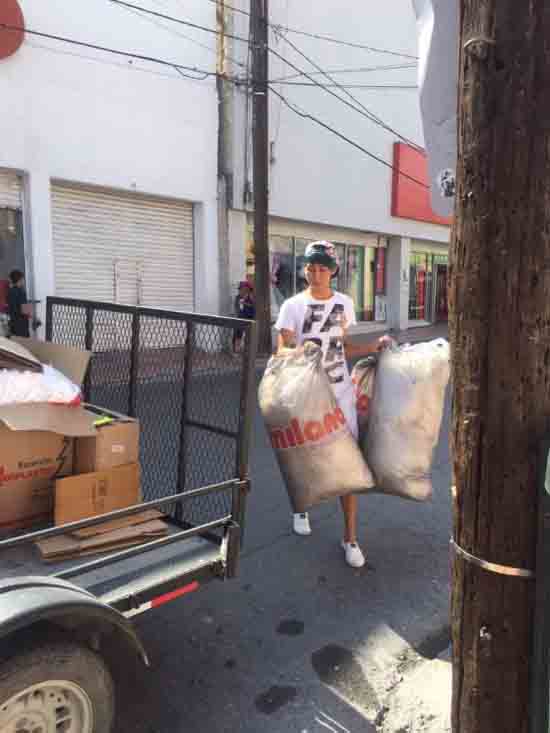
(52, 682)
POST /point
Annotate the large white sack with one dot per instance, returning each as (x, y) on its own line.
(49, 386)
(317, 455)
(405, 417)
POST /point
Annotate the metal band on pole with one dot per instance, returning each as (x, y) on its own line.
(492, 567)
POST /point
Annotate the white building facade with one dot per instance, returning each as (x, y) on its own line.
(393, 250)
(108, 163)
(123, 179)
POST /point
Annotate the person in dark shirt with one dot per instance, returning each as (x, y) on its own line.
(244, 308)
(18, 306)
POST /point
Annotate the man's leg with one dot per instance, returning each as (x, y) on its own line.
(349, 507)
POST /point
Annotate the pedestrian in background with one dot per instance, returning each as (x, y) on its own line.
(19, 309)
(244, 308)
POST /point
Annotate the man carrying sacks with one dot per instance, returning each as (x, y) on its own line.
(321, 316)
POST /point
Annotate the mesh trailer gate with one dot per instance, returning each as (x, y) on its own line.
(177, 374)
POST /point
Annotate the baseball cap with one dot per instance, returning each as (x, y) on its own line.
(322, 253)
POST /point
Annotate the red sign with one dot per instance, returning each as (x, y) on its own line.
(411, 192)
(11, 16)
(380, 271)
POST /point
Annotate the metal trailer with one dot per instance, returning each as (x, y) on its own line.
(60, 623)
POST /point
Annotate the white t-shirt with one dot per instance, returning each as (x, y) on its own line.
(323, 322)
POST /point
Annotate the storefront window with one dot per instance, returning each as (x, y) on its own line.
(428, 287)
(440, 267)
(419, 289)
(369, 289)
(299, 264)
(361, 272)
(281, 265)
(355, 266)
(12, 251)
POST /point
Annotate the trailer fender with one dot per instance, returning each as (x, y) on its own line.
(29, 601)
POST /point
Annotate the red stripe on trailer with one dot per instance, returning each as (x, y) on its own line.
(174, 594)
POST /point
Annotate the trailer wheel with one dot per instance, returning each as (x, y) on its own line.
(58, 687)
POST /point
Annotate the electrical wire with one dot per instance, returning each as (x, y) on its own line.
(202, 74)
(187, 23)
(343, 86)
(320, 37)
(357, 70)
(356, 105)
(97, 60)
(179, 34)
(365, 109)
(307, 116)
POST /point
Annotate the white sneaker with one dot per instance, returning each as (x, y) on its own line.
(300, 524)
(354, 555)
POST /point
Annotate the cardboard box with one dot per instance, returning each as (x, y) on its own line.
(90, 494)
(30, 461)
(115, 444)
(36, 443)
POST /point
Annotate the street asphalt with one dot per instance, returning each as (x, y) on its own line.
(298, 642)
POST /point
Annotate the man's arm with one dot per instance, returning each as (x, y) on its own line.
(286, 341)
(358, 351)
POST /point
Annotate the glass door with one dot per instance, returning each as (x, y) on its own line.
(300, 282)
(355, 271)
(281, 263)
(420, 287)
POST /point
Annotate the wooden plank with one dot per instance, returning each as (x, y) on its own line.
(66, 546)
(113, 524)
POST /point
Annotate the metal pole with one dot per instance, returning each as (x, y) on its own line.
(187, 372)
(260, 102)
(89, 346)
(134, 364)
(49, 319)
(246, 417)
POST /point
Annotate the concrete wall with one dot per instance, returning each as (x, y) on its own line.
(86, 116)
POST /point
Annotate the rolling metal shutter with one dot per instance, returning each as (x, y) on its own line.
(10, 189)
(125, 248)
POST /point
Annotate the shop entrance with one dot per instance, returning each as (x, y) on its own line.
(441, 306)
(12, 253)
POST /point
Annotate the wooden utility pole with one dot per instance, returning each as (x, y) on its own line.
(260, 131)
(500, 330)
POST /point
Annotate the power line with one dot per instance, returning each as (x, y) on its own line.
(321, 37)
(242, 39)
(343, 86)
(357, 106)
(127, 54)
(307, 116)
(357, 70)
(179, 34)
(188, 23)
(365, 109)
(107, 62)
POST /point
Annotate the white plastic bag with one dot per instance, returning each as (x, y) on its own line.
(405, 418)
(363, 376)
(317, 454)
(49, 386)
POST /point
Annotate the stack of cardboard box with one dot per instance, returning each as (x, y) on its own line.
(65, 463)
